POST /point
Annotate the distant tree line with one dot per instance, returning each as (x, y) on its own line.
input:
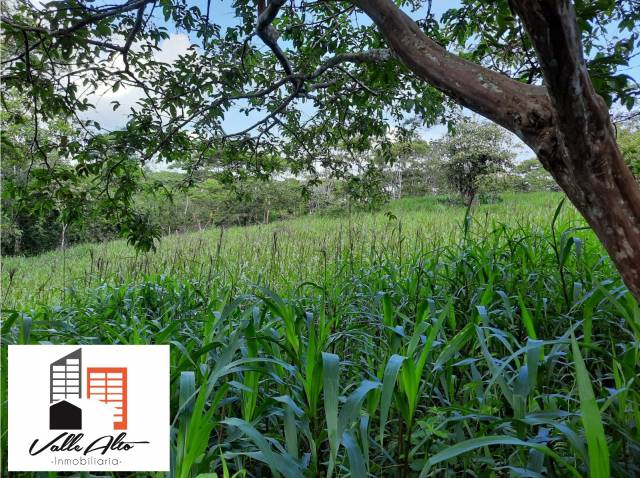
(473, 163)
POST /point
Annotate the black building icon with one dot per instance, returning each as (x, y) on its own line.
(65, 381)
(65, 416)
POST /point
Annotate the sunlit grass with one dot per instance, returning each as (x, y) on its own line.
(280, 255)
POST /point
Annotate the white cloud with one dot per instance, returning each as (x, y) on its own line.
(174, 46)
(169, 51)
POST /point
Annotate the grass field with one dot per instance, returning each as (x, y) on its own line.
(281, 255)
(413, 342)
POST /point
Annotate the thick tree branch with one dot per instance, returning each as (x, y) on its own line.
(269, 35)
(516, 106)
(583, 156)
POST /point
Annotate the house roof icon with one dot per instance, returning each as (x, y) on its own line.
(64, 415)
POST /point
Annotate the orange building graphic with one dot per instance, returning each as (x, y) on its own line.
(109, 385)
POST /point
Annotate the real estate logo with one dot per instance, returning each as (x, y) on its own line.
(88, 408)
(107, 384)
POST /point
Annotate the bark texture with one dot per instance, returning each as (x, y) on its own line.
(583, 155)
(565, 121)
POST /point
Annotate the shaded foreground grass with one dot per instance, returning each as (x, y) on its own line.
(491, 348)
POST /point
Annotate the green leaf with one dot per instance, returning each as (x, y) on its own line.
(475, 443)
(330, 364)
(356, 460)
(284, 464)
(597, 447)
(351, 409)
(388, 384)
(527, 320)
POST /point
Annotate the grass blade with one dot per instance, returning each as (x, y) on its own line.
(330, 364)
(591, 420)
(356, 460)
(475, 443)
(388, 384)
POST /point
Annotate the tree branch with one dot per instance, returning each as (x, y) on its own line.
(65, 32)
(269, 35)
(374, 55)
(518, 107)
(134, 31)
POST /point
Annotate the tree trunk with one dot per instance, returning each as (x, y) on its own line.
(565, 122)
(582, 154)
(63, 237)
(468, 195)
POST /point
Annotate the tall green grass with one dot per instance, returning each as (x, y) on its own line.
(497, 346)
(281, 255)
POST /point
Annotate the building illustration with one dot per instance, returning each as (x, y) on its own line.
(65, 382)
(105, 384)
(109, 385)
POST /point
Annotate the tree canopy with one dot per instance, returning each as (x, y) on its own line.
(314, 75)
(326, 78)
(473, 152)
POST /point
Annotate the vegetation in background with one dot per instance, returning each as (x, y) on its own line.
(472, 152)
(32, 218)
(210, 203)
(49, 193)
(629, 142)
(280, 255)
(529, 175)
(169, 202)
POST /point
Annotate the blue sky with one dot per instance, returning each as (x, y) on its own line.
(223, 13)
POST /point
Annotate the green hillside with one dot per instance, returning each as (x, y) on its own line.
(280, 255)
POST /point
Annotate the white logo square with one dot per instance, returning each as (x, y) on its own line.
(88, 408)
